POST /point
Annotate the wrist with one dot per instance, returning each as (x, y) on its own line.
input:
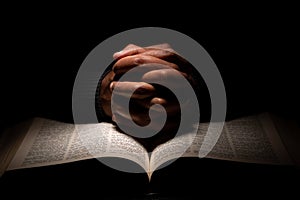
(103, 95)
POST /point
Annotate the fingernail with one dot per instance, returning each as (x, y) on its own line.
(111, 86)
(117, 54)
(113, 118)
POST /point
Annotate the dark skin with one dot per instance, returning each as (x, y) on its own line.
(157, 61)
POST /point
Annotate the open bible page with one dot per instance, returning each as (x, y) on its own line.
(10, 141)
(50, 142)
(247, 139)
(170, 150)
(46, 142)
(104, 140)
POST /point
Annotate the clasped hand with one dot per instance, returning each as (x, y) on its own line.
(159, 62)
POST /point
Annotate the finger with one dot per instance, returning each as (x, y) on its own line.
(138, 90)
(125, 64)
(142, 106)
(130, 49)
(173, 57)
(137, 114)
(170, 106)
(160, 46)
(165, 77)
(169, 55)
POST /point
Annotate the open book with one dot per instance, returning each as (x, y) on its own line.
(47, 142)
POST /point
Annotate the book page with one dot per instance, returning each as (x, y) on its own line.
(172, 149)
(104, 140)
(50, 142)
(46, 142)
(10, 140)
(251, 139)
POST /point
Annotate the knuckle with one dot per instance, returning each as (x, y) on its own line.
(130, 46)
(142, 88)
(168, 54)
(166, 45)
(138, 60)
(158, 100)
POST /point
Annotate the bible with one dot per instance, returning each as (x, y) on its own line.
(42, 142)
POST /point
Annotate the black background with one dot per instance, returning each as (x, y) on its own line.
(255, 50)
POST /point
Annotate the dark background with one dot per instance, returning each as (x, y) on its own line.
(42, 51)
(256, 51)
